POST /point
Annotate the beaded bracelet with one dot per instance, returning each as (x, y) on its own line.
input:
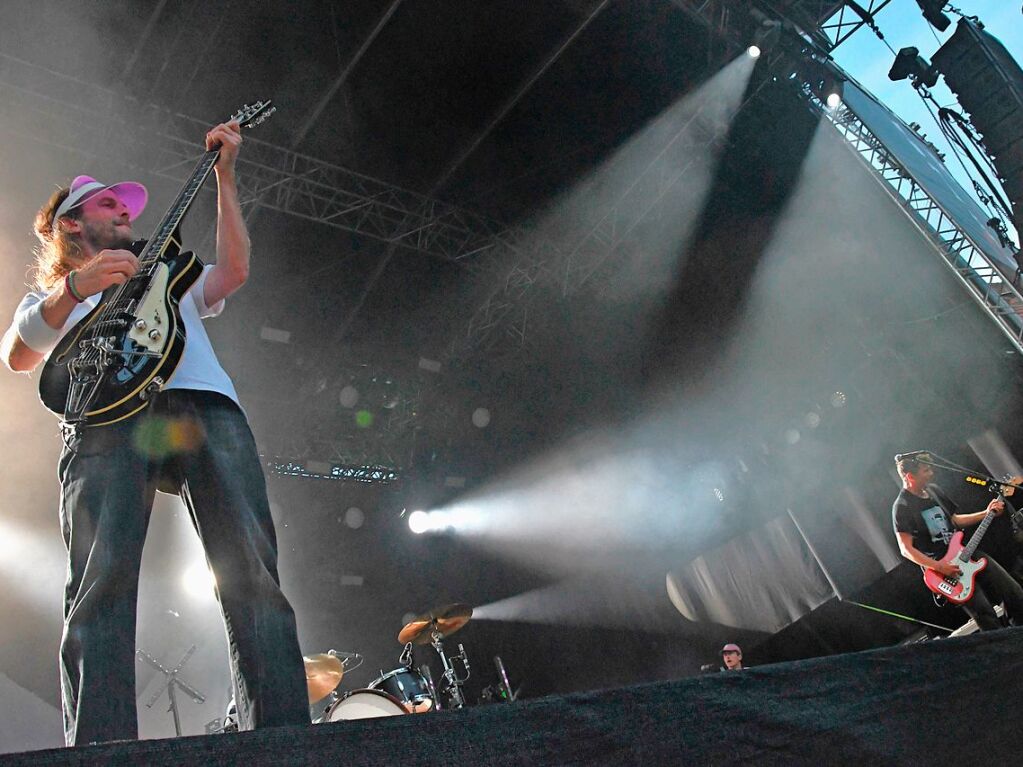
(69, 283)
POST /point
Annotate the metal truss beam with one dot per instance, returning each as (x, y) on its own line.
(339, 81)
(730, 19)
(338, 472)
(60, 111)
(844, 23)
(983, 278)
(828, 23)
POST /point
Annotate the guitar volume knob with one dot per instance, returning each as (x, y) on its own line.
(140, 324)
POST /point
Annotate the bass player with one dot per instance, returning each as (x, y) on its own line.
(925, 519)
(193, 439)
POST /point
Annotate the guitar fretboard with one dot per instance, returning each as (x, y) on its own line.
(967, 553)
(174, 215)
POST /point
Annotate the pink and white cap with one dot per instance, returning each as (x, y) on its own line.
(730, 647)
(132, 194)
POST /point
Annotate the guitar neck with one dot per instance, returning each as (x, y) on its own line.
(174, 215)
(969, 548)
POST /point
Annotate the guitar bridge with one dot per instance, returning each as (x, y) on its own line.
(153, 388)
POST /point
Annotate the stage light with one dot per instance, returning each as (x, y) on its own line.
(418, 522)
(348, 396)
(838, 399)
(792, 436)
(753, 51)
(480, 418)
(355, 517)
(909, 63)
(198, 581)
(833, 100)
(932, 10)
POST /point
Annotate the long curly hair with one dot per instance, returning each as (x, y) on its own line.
(58, 252)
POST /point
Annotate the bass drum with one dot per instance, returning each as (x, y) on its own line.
(407, 686)
(363, 704)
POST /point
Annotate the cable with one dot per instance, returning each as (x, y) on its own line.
(932, 317)
(957, 146)
(906, 618)
(994, 203)
(950, 120)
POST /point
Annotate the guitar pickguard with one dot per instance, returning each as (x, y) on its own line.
(149, 328)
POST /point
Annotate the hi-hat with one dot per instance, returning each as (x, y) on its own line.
(323, 673)
(442, 620)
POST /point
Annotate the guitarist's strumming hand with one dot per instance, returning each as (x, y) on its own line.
(109, 267)
(948, 569)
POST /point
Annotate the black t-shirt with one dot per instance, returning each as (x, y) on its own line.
(927, 520)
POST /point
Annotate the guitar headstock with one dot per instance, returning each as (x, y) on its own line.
(1014, 484)
(251, 115)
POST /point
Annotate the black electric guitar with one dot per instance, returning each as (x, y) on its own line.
(110, 364)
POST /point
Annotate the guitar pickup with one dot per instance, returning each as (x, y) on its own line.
(116, 323)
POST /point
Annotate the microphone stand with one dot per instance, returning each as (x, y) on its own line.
(171, 683)
(969, 475)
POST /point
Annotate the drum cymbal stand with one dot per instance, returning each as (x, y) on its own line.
(428, 677)
(453, 682)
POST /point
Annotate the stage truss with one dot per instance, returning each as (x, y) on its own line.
(983, 278)
(508, 263)
(63, 112)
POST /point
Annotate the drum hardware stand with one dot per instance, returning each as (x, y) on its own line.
(405, 659)
(501, 692)
(453, 683)
(502, 680)
(171, 683)
(431, 687)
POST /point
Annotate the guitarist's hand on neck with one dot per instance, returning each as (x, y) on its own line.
(997, 505)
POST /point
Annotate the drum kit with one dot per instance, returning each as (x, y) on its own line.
(408, 689)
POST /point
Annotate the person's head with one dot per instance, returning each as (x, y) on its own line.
(915, 475)
(80, 220)
(731, 657)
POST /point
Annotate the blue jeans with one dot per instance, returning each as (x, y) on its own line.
(198, 444)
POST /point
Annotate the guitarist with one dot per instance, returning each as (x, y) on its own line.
(109, 474)
(925, 519)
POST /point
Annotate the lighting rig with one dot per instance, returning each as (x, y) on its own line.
(988, 83)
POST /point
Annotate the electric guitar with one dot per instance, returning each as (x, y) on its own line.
(959, 589)
(112, 362)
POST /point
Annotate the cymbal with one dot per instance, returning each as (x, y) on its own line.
(323, 673)
(444, 620)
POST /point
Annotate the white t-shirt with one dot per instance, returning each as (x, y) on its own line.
(198, 367)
